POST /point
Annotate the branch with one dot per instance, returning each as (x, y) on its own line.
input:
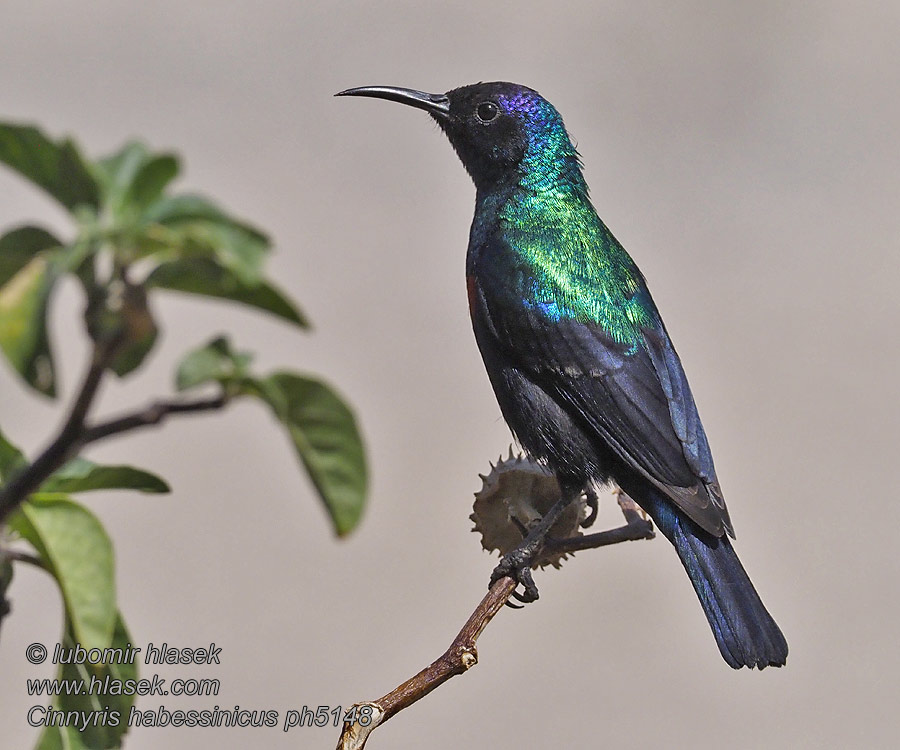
(150, 416)
(23, 557)
(461, 655)
(630, 532)
(22, 484)
(75, 434)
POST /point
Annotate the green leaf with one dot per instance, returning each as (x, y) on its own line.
(242, 253)
(116, 173)
(6, 576)
(81, 475)
(151, 180)
(101, 703)
(206, 277)
(55, 738)
(19, 246)
(214, 363)
(326, 439)
(66, 738)
(23, 323)
(204, 229)
(57, 167)
(176, 210)
(133, 178)
(78, 553)
(11, 459)
(26, 281)
(100, 737)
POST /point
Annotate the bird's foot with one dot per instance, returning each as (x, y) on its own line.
(518, 562)
(593, 504)
(517, 565)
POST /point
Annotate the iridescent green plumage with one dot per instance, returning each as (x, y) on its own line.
(579, 270)
(569, 264)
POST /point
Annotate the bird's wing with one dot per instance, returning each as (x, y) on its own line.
(636, 399)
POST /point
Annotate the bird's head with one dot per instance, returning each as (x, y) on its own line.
(503, 132)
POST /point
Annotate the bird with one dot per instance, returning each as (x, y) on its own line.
(580, 361)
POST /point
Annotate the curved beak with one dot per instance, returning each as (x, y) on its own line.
(437, 104)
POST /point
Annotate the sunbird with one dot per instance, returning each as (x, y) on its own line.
(579, 358)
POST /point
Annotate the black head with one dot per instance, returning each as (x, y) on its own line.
(501, 131)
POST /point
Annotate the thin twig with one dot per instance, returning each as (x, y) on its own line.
(23, 557)
(630, 532)
(461, 655)
(149, 416)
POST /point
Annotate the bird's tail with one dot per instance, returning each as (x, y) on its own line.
(745, 631)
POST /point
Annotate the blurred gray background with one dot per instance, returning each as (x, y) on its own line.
(746, 154)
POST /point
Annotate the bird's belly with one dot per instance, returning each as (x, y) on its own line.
(542, 427)
(546, 431)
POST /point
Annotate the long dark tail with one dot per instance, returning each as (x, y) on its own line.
(745, 631)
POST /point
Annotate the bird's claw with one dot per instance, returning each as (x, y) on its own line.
(590, 499)
(517, 565)
(518, 597)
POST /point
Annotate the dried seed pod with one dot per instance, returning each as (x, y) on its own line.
(517, 493)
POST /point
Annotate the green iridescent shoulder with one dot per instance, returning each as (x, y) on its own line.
(575, 268)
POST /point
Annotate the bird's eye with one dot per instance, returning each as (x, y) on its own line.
(487, 111)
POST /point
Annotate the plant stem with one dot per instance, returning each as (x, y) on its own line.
(14, 492)
(630, 532)
(24, 557)
(461, 655)
(75, 433)
(152, 415)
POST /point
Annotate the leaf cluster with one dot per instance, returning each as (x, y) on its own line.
(132, 238)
